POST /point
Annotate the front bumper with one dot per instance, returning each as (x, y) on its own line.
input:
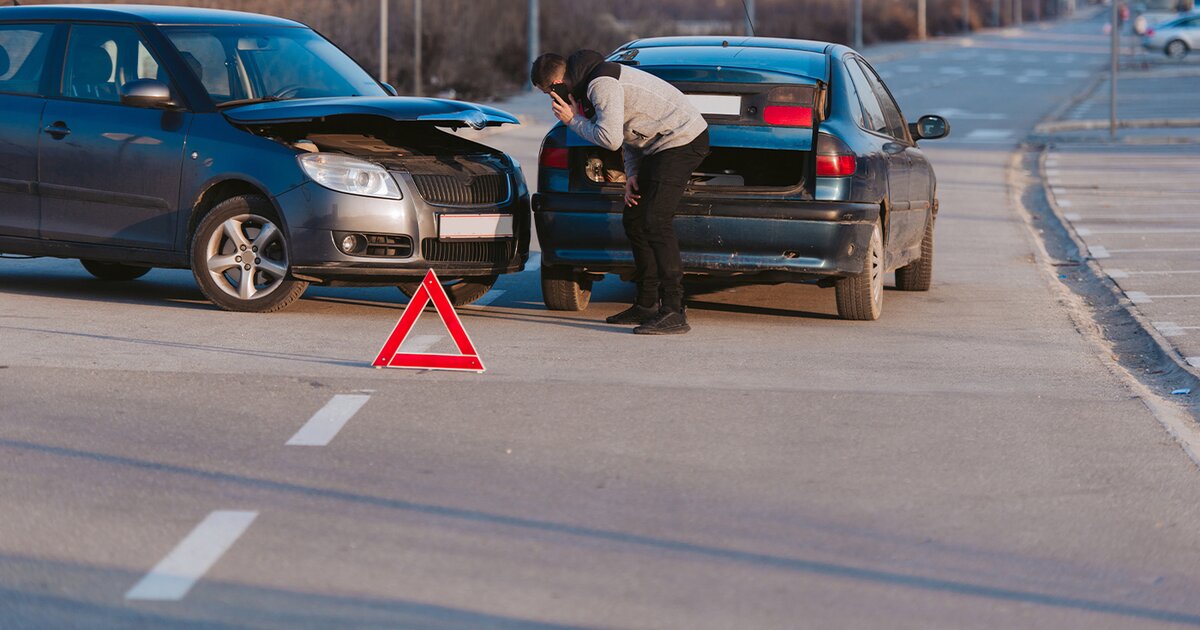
(784, 240)
(313, 214)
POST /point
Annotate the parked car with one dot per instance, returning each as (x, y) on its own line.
(245, 147)
(1176, 38)
(1150, 13)
(814, 176)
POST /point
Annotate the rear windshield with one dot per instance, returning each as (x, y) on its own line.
(265, 62)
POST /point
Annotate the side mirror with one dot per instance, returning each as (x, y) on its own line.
(929, 128)
(146, 93)
(390, 90)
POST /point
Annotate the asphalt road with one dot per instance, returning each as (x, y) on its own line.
(970, 460)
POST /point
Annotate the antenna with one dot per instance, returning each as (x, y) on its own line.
(749, 18)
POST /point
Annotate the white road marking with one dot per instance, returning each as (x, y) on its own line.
(1035, 73)
(172, 578)
(1137, 297)
(326, 423)
(1052, 173)
(535, 261)
(1161, 273)
(420, 343)
(1065, 203)
(1150, 231)
(1187, 296)
(993, 72)
(488, 298)
(989, 135)
(1161, 250)
(1098, 251)
(1194, 361)
(1058, 192)
(1072, 216)
(961, 114)
(1168, 329)
(1116, 273)
(1083, 231)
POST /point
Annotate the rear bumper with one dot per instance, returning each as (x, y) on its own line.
(782, 240)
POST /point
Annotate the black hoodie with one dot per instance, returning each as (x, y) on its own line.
(583, 67)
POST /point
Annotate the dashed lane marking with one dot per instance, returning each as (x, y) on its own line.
(1169, 329)
(172, 578)
(1159, 250)
(1098, 251)
(1116, 274)
(326, 423)
(1137, 297)
(1073, 216)
(1194, 361)
(1082, 231)
(1159, 273)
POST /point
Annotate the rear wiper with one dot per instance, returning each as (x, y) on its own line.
(247, 101)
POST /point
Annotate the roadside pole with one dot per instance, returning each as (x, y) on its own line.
(383, 41)
(856, 22)
(532, 37)
(418, 82)
(1112, 77)
(966, 16)
(922, 27)
(749, 18)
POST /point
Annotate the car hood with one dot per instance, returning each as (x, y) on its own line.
(436, 111)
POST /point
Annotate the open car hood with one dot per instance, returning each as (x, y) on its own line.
(436, 111)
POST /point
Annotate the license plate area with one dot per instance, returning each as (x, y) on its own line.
(717, 104)
(474, 227)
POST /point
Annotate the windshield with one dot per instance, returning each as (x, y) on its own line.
(250, 63)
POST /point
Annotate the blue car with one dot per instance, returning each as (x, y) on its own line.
(814, 176)
(247, 148)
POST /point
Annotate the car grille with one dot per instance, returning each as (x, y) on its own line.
(489, 188)
(486, 252)
(385, 246)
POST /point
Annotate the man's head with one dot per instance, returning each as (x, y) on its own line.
(547, 70)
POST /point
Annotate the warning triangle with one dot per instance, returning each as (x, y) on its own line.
(431, 289)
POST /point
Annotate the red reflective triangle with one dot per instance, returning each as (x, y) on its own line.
(430, 289)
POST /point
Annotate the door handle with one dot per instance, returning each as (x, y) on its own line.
(892, 148)
(58, 130)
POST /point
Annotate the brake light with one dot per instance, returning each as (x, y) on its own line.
(1149, 32)
(788, 116)
(553, 158)
(834, 158)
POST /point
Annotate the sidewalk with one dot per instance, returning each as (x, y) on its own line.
(1134, 203)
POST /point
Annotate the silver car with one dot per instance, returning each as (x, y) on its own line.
(1175, 38)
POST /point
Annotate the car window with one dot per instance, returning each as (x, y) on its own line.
(102, 58)
(207, 59)
(891, 112)
(23, 50)
(872, 114)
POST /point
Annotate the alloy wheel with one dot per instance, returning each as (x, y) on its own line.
(246, 257)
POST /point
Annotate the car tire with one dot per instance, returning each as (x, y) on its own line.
(114, 272)
(1176, 49)
(565, 289)
(461, 291)
(860, 297)
(242, 225)
(918, 275)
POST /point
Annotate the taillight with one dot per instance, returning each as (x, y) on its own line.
(834, 158)
(1149, 32)
(553, 157)
(788, 115)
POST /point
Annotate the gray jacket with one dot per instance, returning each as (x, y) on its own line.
(638, 112)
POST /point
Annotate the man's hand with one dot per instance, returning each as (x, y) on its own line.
(631, 196)
(563, 110)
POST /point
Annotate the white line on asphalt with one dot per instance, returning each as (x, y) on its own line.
(1083, 231)
(326, 423)
(488, 297)
(1189, 296)
(172, 578)
(420, 343)
(535, 261)
(1058, 192)
(1072, 216)
(1052, 173)
(1116, 273)
(1194, 361)
(1161, 273)
(1141, 231)
(1079, 74)
(1098, 251)
(1168, 329)
(1162, 250)
(1137, 297)
(1065, 203)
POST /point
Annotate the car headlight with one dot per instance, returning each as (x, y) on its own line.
(350, 175)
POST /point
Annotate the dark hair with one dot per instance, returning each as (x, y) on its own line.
(545, 67)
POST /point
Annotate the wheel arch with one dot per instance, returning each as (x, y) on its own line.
(222, 190)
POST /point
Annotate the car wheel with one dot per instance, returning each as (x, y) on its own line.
(240, 257)
(461, 291)
(918, 275)
(860, 297)
(114, 272)
(564, 289)
(1176, 49)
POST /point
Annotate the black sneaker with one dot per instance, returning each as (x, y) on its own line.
(666, 323)
(635, 314)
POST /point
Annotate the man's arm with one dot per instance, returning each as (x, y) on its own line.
(607, 129)
(633, 157)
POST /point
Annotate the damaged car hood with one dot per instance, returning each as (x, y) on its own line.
(436, 111)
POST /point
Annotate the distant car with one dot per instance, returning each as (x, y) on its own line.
(1151, 13)
(245, 147)
(1176, 38)
(814, 176)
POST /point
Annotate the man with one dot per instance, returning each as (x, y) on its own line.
(664, 138)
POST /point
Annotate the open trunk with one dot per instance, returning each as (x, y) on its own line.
(726, 170)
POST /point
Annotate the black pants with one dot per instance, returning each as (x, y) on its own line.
(662, 178)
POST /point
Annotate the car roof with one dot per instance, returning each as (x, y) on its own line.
(798, 57)
(139, 14)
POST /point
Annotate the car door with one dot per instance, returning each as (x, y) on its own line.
(908, 218)
(24, 49)
(889, 148)
(109, 172)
